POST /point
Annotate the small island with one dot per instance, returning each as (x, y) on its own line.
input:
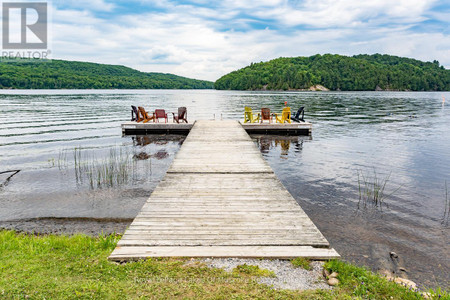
(339, 73)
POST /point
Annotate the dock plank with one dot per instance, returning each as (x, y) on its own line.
(220, 198)
(280, 252)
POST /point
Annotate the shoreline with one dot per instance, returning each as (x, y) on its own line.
(299, 275)
(67, 226)
(94, 227)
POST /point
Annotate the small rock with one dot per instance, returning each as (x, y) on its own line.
(402, 269)
(393, 254)
(366, 256)
(325, 273)
(405, 282)
(334, 275)
(427, 295)
(333, 281)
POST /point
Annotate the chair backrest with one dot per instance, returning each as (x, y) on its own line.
(182, 112)
(286, 114)
(143, 112)
(299, 111)
(265, 113)
(134, 113)
(160, 113)
(248, 114)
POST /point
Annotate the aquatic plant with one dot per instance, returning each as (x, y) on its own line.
(111, 171)
(62, 159)
(372, 189)
(119, 168)
(446, 216)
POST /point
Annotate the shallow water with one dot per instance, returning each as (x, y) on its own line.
(401, 137)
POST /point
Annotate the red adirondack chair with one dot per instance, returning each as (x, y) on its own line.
(181, 116)
(160, 114)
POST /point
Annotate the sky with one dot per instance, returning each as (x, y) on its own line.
(207, 39)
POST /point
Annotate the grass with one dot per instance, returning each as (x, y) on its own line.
(76, 267)
(249, 270)
(372, 189)
(302, 263)
(363, 284)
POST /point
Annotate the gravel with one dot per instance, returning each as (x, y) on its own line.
(287, 276)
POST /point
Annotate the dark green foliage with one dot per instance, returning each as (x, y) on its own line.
(60, 74)
(337, 72)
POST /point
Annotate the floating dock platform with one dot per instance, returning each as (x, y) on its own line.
(220, 198)
(131, 128)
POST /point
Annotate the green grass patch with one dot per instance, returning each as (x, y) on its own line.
(249, 270)
(76, 267)
(363, 284)
(301, 262)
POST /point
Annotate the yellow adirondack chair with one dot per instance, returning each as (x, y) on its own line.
(249, 117)
(285, 116)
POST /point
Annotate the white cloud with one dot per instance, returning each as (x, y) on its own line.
(326, 13)
(201, 42)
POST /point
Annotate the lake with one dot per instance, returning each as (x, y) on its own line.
(75, 163)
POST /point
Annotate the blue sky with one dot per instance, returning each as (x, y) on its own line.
(207, 39)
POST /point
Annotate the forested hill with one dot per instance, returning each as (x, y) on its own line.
(61, 74)
(337, 72)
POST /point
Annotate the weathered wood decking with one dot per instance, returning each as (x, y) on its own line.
(303, 128)
(221, 199)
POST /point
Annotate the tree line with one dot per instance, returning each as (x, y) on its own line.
(337, 72)
(23, 73)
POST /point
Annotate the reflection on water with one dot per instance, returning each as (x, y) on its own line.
(401, 136)
(267, 143)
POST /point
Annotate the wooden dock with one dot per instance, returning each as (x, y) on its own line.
(303, 128)
(220, 198)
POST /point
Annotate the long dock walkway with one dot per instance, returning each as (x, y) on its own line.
(220, 198)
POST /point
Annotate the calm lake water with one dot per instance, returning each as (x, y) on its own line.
(67, 145)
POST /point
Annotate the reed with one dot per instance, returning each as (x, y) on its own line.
(372, 189)
(62, 159)
(446, 217)
(118, 168)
